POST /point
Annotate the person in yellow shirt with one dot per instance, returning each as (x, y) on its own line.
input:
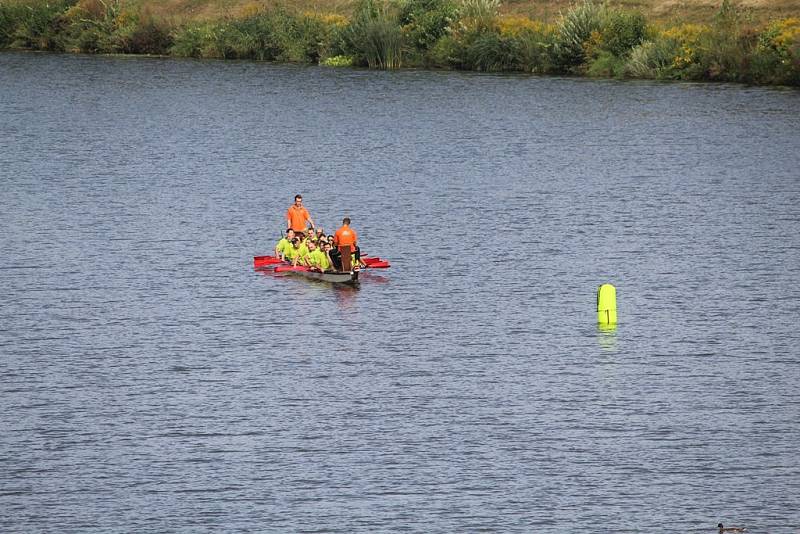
(304, 253)
(319, 258)
(304, 248)
(309, 238)
(328, 263)
(284, 244)
(291, 254)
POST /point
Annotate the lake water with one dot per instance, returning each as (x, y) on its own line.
(152, 381)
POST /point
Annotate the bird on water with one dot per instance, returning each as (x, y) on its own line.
(729, 529)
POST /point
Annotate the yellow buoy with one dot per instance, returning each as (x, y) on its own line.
(607, 305)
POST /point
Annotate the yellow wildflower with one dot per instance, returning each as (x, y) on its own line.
(685, 33)
(513, 25)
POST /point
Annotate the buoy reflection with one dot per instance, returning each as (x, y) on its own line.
(607, 336)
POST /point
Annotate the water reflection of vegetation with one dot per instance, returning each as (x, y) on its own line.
(589, 39)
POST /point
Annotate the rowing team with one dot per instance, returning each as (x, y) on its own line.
(315, 250)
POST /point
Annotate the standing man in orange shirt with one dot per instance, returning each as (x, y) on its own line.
(297, 216)
(345, 238)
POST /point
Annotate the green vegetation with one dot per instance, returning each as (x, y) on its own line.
(374, 37)
(589, 38)
(275, 35)
(36, 27)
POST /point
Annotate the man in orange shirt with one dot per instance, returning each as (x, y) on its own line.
(345, 238)
(297, 215)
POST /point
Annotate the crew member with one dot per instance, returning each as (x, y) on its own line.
(334, 256)
(318, 258)
(306, 253)
(302, 252)
(345, 240)
(292, 253)
(297, 216)
(284, 244)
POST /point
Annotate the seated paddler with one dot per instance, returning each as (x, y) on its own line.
(284, 244)
(291, 254)
(318, 258)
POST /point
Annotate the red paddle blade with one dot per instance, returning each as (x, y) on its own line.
(370, 260)
(261, 261)
(379, 265)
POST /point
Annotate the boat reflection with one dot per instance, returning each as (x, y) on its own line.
(270, 273)
(367, 276)
(345, 296)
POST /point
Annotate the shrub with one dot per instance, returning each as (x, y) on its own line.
(651, 59)
(275, 35)
(98, 26)
(190, 40)
(679, 47)
(312, 37)
(533, 49)
(292, 38)
(514, 44)
(606, 65)
(622, 31)
(489, 51)
(374, 36)
(36, 26)
(221, 40)
(445, 53)
(722, 52)
(590, 34)
(573, 30)
(10, 17)
(776, 58)
(141, 33)
(91, 25)
(254, 37)
(426, 21)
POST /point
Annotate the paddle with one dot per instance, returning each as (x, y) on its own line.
(265, 261)
(280, 266)
(375, 262)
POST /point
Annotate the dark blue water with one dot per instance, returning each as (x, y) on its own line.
(152, 381)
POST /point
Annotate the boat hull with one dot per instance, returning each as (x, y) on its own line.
(282, 267)
(332, 277)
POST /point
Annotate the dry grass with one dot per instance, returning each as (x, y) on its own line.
(215, 9)
(659, 11)
(663, 11)
(543, 10)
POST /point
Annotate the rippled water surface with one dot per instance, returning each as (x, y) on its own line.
(152, 381)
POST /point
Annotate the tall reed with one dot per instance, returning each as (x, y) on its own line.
(375, 36)
(478, 15)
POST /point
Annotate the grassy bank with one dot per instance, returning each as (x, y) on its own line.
(731, 43)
